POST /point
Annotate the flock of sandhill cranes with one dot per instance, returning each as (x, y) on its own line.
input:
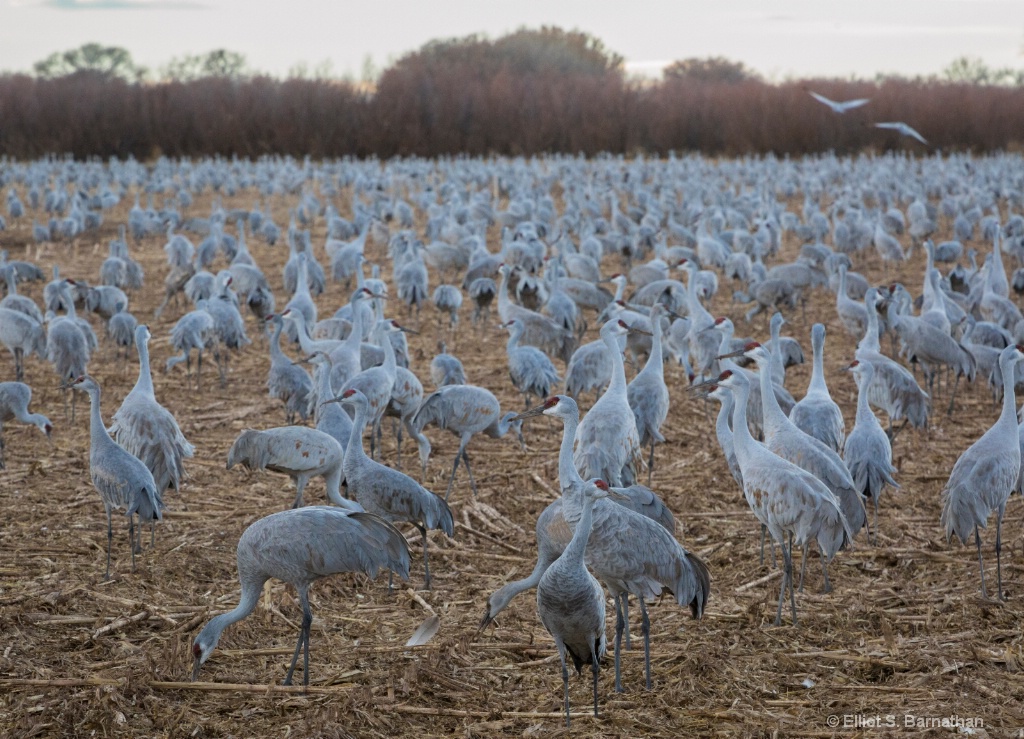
(562, 222)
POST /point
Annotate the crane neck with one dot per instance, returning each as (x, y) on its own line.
(743, 442)
(97, 431)
(354, 451)
(818, 367)
(772, 413)
(247, 604)
(513, 338)
(145, 382)
(722, 428)
(568, 475)
(275, 342)
(655, 361)
(577, 547)
(863, 383)
(870, 340)
(618, 380)
(1008, 367)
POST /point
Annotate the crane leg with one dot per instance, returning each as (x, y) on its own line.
(110, 538)
(788, 552)
(874, 532)
(131, 538)
(981, 563)
(595, 667)
(451, 481)
(303, 643)
(620, 624)
(999, 561)
(803, 566)
(19, 366)
(426, 557)
(565, 679)
(952, 395)
(396, 425)
(827, 587)
(646, 629)
(650, 465)
(300, 485)
(472, 482)
(152, 534)
(782, 589)
(625, 618)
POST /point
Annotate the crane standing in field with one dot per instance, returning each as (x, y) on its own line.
(790, 501)
(299, 547)
(14, 400)
(985, 475)
(816, 414)
(570, 601)
(629, 552)
(608, 445)
(868, 453)
(390, 494)
(530, 369)
(465, 410)
(647, 394)
(121, 480)
(296, 451)
(147, 430)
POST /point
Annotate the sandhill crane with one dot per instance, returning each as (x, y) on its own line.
(287, 381)
(894, 389)
(789, 500)
(299, 547)
(392, 495)
(228, 324)
(932, 348)
(121, 480)
(377, 384)
(985, 475)
(530, 369)
(147, 430)
(538, 330)
(590, 367)
(868, 452)
(482, 291)
(57, 293)
(608, 445)
(902, 128)
(328, 417)
(67, 349)
(298, 452)
(406, 397)
(121, 329)
(852, 314)
(447, 299)
(193, 330)
(839, 107)
(302, 301)
(647, 394)
(20, 303)
(200, 286)
(816, 414)
(465, 410)
(629, 552)
(22, 335)
(446, 369)
(14, 400)
(784, 438)
(570, 601)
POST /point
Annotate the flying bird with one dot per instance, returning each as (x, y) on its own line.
(839, 107)
(904, 129)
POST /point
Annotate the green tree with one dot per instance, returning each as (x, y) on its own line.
(216, 63)
(104, 61)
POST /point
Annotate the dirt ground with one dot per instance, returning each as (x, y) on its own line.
(904, 634)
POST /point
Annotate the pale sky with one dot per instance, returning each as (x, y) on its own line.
(778, 38)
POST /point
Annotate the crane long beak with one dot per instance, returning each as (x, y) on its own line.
(642, 332)
(616, 495)
(408, 330)
(530, 413)
(737, 353)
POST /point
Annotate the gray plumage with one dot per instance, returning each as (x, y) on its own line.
(868, 451)
(193, 330)
(530, 369)
(22, 336)
(302, 300)
(301, 453)
(465, 410)
(299, 547)
(538, 330)
(67, 349)
(14, 301)
(816, 414)
(287, 381)
(448, 299)
(57, 293)
(121, 480)
(200, 286)
(121, 329)
(389, 493)
(647, 394)
(14, 400)
(148, 430)
(570, 601)
(446, 369)
(985, 474)
(790, 501)
(608, 445)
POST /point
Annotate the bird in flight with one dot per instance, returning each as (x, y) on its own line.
(904, 129)
(839, 107)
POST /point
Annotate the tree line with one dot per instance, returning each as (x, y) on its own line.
(529, 92)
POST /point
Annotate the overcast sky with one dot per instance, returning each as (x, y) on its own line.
(778, 38)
